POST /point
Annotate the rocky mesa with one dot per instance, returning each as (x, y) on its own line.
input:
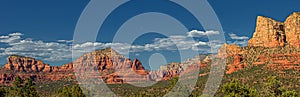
(28, 64)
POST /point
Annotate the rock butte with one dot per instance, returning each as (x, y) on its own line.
(271, 33)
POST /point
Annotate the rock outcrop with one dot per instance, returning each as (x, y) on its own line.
(271, 33)
(110, 65)
(269, 36)
(229, 50)
(21, 63)
(27, 67)
(235, 52)
(28, 64)
(292, 29)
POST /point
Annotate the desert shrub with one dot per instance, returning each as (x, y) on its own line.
(275, 89)
(236, 89)
(75, 91)
(289, 94)
(22, 88)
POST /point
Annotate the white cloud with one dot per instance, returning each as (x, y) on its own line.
(200, 43)
(10, 39)
(65, 41)
(241, 43)
(15, 34)
(3, 37)
(239, 40)
(235, 37)
(196, 33)
(175, 42)
(49, 51)
(178, 43)
(61, 50)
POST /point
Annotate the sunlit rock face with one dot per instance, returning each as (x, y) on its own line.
(271, 33)
(292, 29)
(268, 33)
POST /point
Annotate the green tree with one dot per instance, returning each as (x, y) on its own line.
(235, 89)
(273, 87)
(173, 82)
(76, 91)
(66, 92)
(16, 89)
(18, 82)
(29, 90)
(179, 89)
(22, 89)
(290, 94)
(2, 92)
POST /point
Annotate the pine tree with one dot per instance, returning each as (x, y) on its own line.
(22, 89)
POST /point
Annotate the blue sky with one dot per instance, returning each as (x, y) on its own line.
(45, 28)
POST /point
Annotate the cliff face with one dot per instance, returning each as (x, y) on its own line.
(292, 29)
(111, 66)
(273, 43)
(27, 64)
(27, 67)
(20, 63)
(271, 33)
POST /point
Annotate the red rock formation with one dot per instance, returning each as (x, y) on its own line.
(229, 50)
(236, 65)
(20, 63)
(269, 33)
(27, 64)
(65, 68)
(292, 29)
(111, 66)
(27, 67)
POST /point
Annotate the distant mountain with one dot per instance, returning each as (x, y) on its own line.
(105, 63)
